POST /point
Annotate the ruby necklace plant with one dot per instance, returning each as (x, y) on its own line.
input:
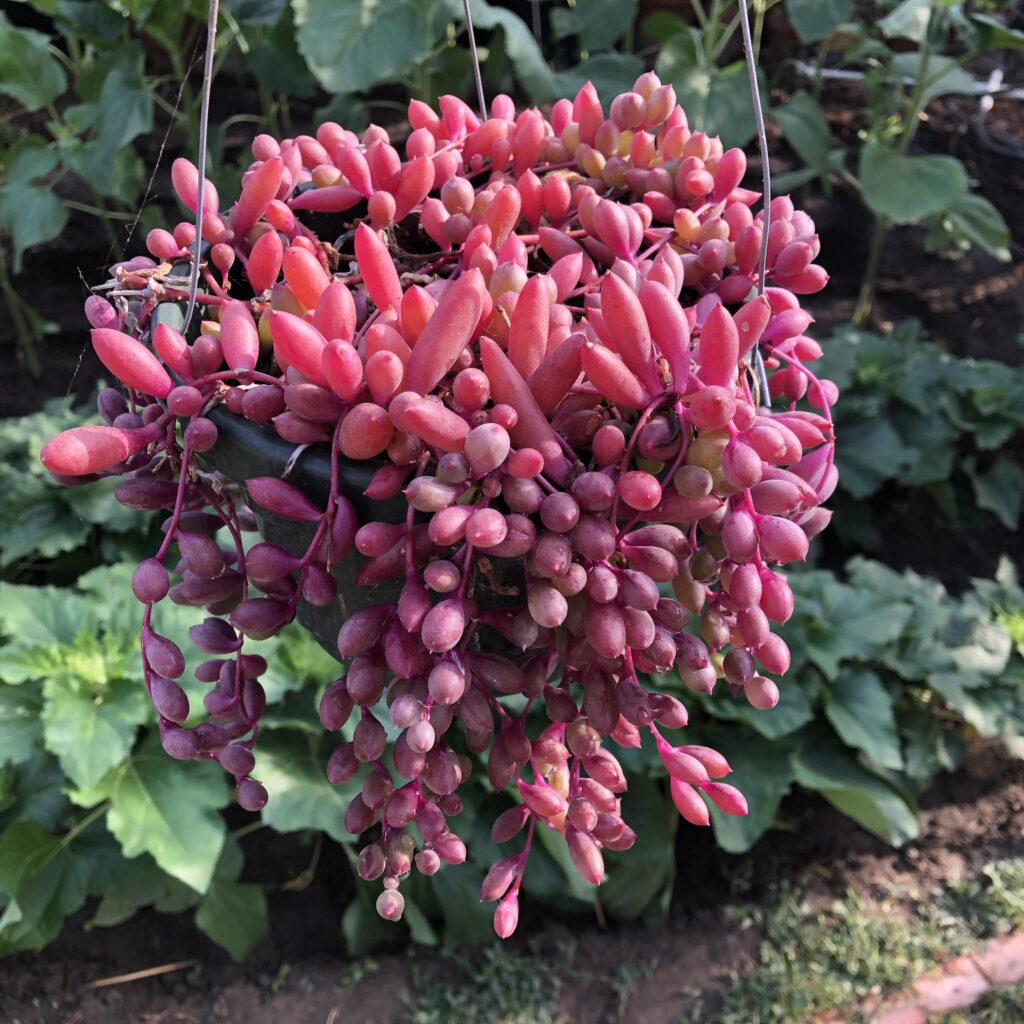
(547, 333)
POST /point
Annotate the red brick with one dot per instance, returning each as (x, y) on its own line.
(956, 985)
(902, 1013)
(1002, 959)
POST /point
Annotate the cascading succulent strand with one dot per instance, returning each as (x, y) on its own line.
(538, 330)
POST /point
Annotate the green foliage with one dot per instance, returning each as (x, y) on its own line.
(495, 987)
(73, 707)
(871, 711)
(899, 186)
(813, 961)
(69, 528)
(907, 189)
(813, 20)
(716, 97)
(939, 420)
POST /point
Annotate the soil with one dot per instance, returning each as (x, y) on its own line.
(299, 975)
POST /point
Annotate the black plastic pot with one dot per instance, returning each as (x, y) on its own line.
(245, 449)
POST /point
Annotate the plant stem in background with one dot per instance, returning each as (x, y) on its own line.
(915, 106)
(29, 326)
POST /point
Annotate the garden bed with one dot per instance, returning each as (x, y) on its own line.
(679, 972)
(675, 973)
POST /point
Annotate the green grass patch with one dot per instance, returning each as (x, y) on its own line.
(495, 986)
(1003, 1006)
(812, 961)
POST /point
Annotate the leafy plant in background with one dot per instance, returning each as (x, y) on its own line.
(90, 807)
(898, 186)
(63, 532)
(873, 710)
(925, 671)
(88, 92)
(92, 810)
(692, 57)
(942, 422)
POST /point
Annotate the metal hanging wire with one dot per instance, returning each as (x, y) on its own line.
(204, 122)
(476, 62)
(766, 186)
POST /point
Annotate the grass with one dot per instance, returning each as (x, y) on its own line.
(810, 961)
(495, 986)
(992, 904)
(1004, 1006)
(813, 961)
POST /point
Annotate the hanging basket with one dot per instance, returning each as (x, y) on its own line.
(546, 358)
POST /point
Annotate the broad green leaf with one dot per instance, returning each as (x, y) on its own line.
(994, 35)
(931, 746)
(860, 709)
(870, 800)
(803, 124)
(353, 46)
(853, 623)
(127, 109)
(872, 453)
(29, 73)
(987, 710)
(943, 75)
(466, 918)
(1000, 489)
(127, 113)
(40, 616)
(790, 181)
(793, 711)
(296, 661)
(44, 881)
(126, 886)
(597, 24)
(300, 795)
(93, 21)
(257, 12)
(909, 188)
(762, 772)
(814, 19)
(29, 160)
(91, 729)
(908, 20)
(51, 529)
(33, 790)
(31, 216)
(662, 25)
(234, 915)
(20, 728)
(982, 223)
(167, 809)
(275, 62)
(520, 46)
